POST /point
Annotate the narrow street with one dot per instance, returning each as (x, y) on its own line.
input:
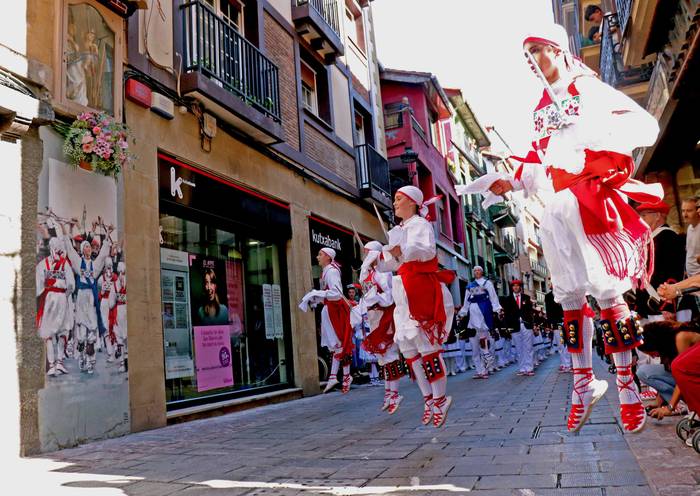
(504, 436)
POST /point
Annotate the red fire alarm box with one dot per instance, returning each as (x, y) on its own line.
(138, 93)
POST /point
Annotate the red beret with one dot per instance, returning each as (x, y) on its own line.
(516, 281)
(661, 206)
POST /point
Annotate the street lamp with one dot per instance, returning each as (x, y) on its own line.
(409, 158)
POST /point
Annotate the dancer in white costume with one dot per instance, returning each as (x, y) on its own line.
(377, 303)
(107, 297)
(86, 271)
(594, 242)
(424, 308)
(480, 302)
(54, 285)
(336, 331)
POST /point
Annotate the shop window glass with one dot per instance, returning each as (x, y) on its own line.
(222, 312)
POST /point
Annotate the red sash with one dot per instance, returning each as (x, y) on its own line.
(421, 281)
(49, 288)
(339, 313)
(612, 226)
(381, 338)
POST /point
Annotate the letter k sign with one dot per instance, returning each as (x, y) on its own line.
(175, 184)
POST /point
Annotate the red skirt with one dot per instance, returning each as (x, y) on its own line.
(686, 370)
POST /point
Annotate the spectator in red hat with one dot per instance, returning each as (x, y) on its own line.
(669, 257)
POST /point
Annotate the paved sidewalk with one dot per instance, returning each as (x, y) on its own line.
(672, 468)
(504, 436)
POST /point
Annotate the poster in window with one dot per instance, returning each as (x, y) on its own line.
(168, 315)
(212, 348)
(167, 284)
(208, 291)
(268, 311)
(277, 311)
(234, 286)
(180, 288)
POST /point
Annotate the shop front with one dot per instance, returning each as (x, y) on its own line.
(225, 307)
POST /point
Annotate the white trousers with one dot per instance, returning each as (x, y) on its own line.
(478, 357)
(460, 360)
(523, 344)
(564, 357)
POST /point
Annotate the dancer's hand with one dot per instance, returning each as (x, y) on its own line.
(501, 187)
(396, 251)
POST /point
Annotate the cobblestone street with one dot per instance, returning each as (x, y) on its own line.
(504, 436)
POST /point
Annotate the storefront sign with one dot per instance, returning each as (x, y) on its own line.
(218, 196)
(326, 240)
(212, 348)
(324, 235)
(174, 257)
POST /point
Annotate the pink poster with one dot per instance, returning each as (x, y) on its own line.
(234, 292)
(212, 348)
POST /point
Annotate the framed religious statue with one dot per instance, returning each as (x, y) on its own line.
(91, 38)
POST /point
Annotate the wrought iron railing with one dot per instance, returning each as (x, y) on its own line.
(624, 8)
(539, 269)
(609, 51)
(216, 49)
(328, 9)
(372, 170)
(612, 69)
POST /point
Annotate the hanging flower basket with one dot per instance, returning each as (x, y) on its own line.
(98, 143)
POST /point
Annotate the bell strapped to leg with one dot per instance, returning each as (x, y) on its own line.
(619, 334)
(393, 371)
(573, 330)
(433, 366)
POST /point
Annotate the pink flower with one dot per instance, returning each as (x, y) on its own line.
(123, 144)
(87, 147)
(87, 138)
(96, 130)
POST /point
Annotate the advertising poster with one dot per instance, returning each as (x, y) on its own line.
(208, 291)
(277, 311)
(268, 311)
(212, 347)
(234, 288)
(178, 344)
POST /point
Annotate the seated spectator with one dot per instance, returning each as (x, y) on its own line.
(671, 341)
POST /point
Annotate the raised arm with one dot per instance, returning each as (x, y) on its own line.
(493, 297)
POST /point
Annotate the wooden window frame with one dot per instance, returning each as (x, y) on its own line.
(313, 91)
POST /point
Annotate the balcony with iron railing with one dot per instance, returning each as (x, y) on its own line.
(624, 10)
(404, 131)
(318, 22)
(373, 179)
(539, 269)
(612, 68)
(505, 248)
(228, 73)
(540, 297)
